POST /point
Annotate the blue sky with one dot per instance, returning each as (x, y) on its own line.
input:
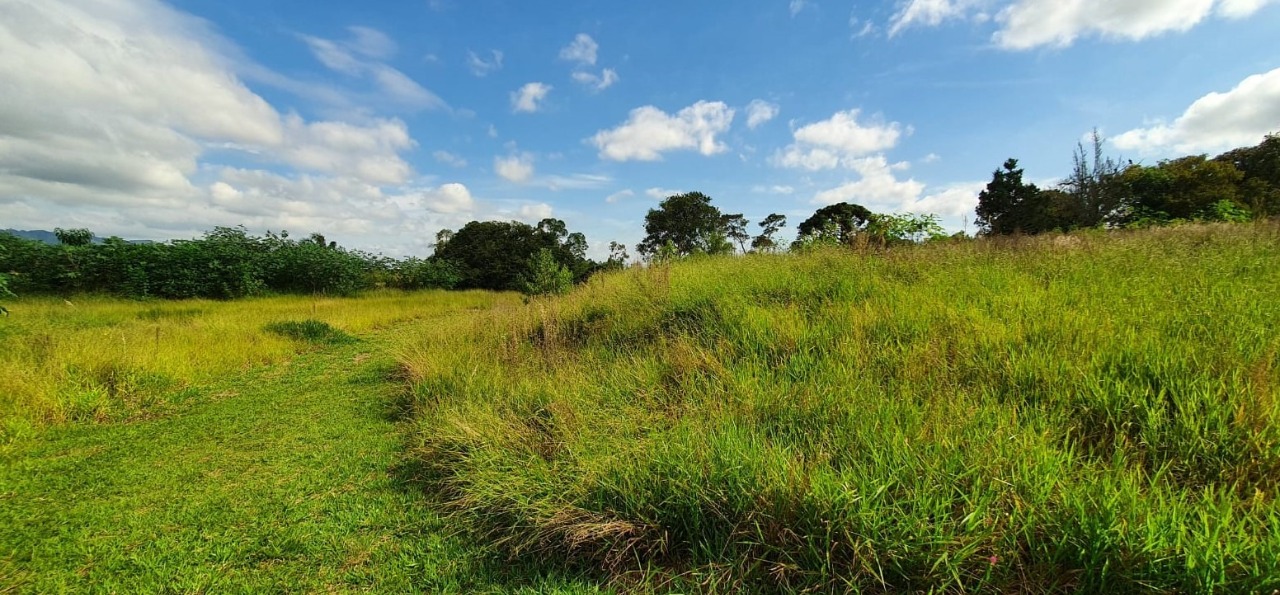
(379, 123)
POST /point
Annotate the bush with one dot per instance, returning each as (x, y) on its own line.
(311, 331)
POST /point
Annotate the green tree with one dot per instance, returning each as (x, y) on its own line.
(73, 237)
(4, 284)
(1008, 205)
(908, 228)
(1260, 166)
(839, 223)
(735, 229)
(546, 276)
(768, 228)
(1180, 189)
(688, 221)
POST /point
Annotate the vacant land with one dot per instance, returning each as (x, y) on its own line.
(285, 478)
(1096, 413)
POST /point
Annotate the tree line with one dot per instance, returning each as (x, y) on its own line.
(1239, 185)
(227, 263)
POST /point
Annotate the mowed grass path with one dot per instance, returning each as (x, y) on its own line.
(285, 479)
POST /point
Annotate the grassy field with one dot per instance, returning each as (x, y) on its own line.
(1094, 413)
(1088, 413)
(286, 478)
(101, 359)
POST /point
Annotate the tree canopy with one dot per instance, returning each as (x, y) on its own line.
(688, 222)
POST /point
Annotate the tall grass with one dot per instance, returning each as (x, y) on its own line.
(97, 358)
(1096, 412)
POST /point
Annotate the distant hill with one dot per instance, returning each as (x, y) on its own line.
(48, 237)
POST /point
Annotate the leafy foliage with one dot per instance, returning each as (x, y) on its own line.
(838, 223)
(688, 222)
(546, 276)
(497, 254)
(769, 227)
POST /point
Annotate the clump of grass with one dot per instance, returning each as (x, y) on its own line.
(1038, 415)
(310, 331)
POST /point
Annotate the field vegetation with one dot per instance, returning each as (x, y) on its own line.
(1095, 412)
(96, 358)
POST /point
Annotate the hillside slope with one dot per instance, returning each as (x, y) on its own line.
(1097, 412)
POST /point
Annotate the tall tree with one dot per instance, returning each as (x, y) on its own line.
(768, 227)
(735, 229)
(687, 221)
(1007, 205)
(1093, 187)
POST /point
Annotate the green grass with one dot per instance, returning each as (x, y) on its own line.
(1093, 413)
(101, 359)
(287, 478)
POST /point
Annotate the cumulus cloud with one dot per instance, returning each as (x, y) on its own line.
(514, 168)
(369, 153)
(879, 189)
(649, 132)
(115, 114)
(837, 141)
(529, 97)
(482, 67)
(361, 55)
(1215, 122)
(877, 185)
(759, 112)
(597, 82)
(775, 189)
(581, 50)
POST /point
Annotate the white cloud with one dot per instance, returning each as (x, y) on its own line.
(759, 112)
(649, 132)
(360, 57)
(619, 195)
(929, 13)
(574, 182)
(597, 82)
(1218, 121)
(952, 201)
(837, 141)
(1030, 23)
(796, 6)
(369, 153)
(482, 67)
(515, 168)
(661, 193)
(528, 98)
(533, 213)
(877, 186)
(449, 159)
(775, 189)
(1237, 9)
(371, 42)
(1025, 24)
(581, 50)
(113, 112)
